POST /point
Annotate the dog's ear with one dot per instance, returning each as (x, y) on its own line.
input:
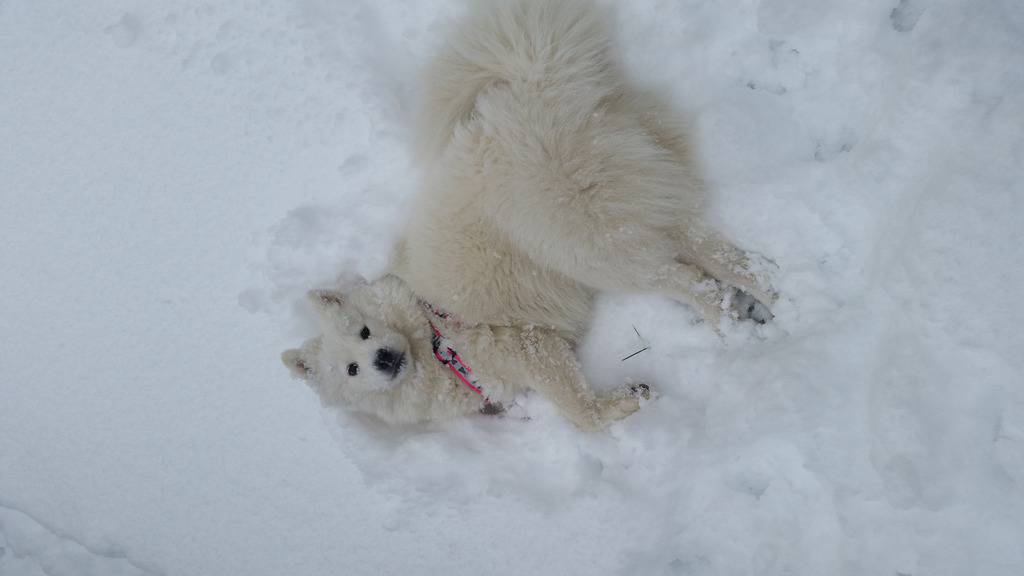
(326, 299)
(296, 361)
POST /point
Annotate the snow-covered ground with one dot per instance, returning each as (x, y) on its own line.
(174, 175)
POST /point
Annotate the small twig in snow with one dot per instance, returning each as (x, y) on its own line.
(645, 348)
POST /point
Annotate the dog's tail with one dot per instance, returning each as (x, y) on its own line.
(554, 45)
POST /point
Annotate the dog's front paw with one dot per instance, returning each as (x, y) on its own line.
(640, 390)
(492, 409)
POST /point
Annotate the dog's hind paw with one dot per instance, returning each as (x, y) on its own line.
(746, 307)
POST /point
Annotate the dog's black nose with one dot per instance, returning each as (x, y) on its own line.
(387, 360)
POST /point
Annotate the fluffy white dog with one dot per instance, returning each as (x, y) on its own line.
(548, 179)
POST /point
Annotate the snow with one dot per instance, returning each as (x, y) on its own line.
(175, 175)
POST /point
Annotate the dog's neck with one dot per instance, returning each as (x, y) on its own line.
(446, 354)
(441, 315)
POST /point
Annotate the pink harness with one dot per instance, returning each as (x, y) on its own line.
(447, 355)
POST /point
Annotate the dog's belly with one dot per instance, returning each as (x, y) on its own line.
(469, 269)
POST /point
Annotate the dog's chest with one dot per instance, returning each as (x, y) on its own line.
(468, 267)
(486, 362)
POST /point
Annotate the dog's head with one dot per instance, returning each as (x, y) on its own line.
(364, 349)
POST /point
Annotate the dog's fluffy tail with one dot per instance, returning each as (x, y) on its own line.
(554, 45)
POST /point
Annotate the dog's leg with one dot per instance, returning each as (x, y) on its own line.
(554, 372)
(690, 285)
(607, 216)
(697, 271)
(703, 246)
(618, 258)
(747, 271)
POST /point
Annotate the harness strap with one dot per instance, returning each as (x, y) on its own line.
(447, 355)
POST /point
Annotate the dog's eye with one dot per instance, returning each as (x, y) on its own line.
(353, 369)
(364, 333)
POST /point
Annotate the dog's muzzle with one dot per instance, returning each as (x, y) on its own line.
(389, 361)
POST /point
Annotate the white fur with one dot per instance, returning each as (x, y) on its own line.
(506, 359)
(548, 178)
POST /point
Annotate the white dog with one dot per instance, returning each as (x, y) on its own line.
(548, 179)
